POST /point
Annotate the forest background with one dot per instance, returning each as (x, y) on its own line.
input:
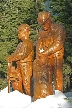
(15, 12)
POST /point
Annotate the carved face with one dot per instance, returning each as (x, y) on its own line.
(46, 24)
(23, 34)
(23, 31)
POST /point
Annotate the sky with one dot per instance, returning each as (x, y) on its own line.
(16, 99)
(47, 4)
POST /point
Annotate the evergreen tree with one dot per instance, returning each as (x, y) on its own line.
(13, 13)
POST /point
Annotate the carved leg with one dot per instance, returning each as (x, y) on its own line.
(17, 85)
(26, 71)
(42, 81)
(50, 88)
(58, 73)
(8, 86)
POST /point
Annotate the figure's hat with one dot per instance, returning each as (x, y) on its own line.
(43, 16)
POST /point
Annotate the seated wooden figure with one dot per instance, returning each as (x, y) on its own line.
(49, 57)
(23, 56)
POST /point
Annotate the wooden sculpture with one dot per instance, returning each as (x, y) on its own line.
(49, 57)
(23, 56)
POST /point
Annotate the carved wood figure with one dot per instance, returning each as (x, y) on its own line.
(23, 56)
(49, 57)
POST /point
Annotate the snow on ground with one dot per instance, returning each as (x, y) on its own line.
(16, 99)
(13, 99)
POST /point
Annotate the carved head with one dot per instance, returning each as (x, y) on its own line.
(44, 19)
(43, 16)
(23, 31)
